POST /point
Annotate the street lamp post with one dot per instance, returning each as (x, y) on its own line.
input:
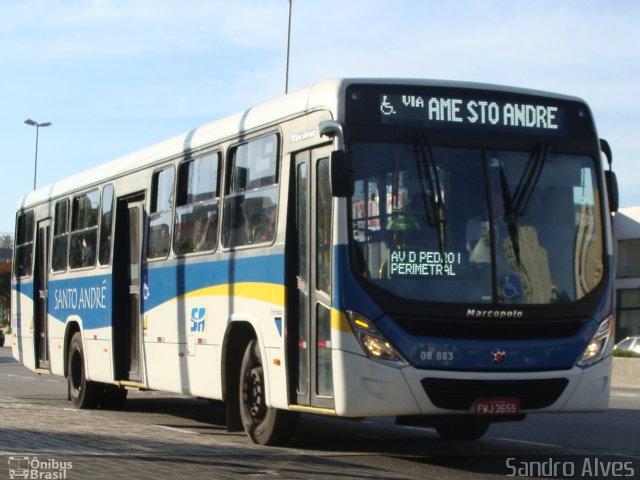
(33, 123)
(286, 80)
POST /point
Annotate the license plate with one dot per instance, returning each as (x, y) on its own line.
(496, 406)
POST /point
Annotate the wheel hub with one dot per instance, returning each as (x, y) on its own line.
(254, 394)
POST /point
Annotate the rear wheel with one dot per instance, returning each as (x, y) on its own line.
(82, 392)
(462, 431)
(265, 425)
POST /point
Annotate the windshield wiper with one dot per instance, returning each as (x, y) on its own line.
(515, 206)
(510, 215)
(530, 178)
(428, 170)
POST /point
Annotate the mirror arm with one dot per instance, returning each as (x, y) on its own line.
(606, 149)
(332, 129)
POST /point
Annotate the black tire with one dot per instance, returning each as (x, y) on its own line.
(264, 425)
(113, 397)
(82, 392)
(462, 431)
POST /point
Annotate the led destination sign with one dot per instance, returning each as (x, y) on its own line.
(420, 263)
(469, 112)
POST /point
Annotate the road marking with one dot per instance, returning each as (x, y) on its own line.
(76, 410)
(625, 394)
(174, 429)
(515, 440)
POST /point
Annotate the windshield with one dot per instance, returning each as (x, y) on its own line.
(476, 225)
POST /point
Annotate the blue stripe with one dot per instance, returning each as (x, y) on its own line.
(164, 283)
(469, 355)
(348, 293)
(24, 288)
(458, 354)
(91, 297)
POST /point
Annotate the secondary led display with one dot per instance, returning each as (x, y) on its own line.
(421, 263)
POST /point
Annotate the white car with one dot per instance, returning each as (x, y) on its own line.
(631, 344)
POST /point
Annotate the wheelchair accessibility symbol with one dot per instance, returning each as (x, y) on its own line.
(511, 287)
(385, 107)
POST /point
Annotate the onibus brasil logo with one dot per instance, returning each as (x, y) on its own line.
(36, 468)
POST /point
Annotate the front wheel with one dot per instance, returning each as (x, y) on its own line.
(263, 424)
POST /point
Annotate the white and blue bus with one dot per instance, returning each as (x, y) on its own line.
(435, 251)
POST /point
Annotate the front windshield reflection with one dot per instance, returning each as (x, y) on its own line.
(551, 251)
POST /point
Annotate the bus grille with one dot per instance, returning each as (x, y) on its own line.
(490, 330)
(454, 394)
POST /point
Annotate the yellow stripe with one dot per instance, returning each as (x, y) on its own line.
(127, 383)
(303, 408)
(339, 321)
(266, 292)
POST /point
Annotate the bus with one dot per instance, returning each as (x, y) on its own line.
(438, 252)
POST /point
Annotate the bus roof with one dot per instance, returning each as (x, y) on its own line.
(322, 95)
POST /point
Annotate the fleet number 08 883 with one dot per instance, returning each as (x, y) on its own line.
(438, 356)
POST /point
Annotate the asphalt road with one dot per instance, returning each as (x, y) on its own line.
(163, 436)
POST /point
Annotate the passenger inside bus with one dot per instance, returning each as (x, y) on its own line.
(263, 223)
(204, 230)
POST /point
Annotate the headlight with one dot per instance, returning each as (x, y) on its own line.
(598, 345)
(373, 342)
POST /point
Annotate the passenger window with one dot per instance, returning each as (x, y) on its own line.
(84, 230)
(197, 197)
(105, 225)
(251, 201)
(323, 226)
(24, 245)
(60, 236)
(159, 238)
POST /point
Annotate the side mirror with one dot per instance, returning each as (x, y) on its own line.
(341, 175)
(612, 190)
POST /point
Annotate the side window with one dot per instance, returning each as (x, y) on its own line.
(197, 198)
(159, 238)
(24, 245)
(60, 236)
(251, 200)
(84, 230)
(106, 221)
(323, 226)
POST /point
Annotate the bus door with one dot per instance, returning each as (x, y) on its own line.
(127, 327)
(310, 286)
(41, 279)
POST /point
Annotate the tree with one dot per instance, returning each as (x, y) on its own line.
(6, 241)
(5, 297)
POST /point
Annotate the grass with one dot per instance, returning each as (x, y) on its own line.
(625, 354)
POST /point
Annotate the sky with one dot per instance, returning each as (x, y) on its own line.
(115, 76)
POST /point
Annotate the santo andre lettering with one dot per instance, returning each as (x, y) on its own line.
(80, 298)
